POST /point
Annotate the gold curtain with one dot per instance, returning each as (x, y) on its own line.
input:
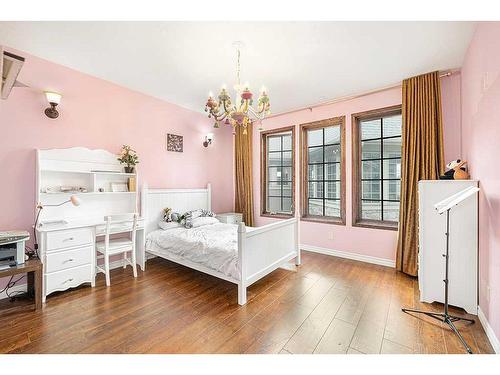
(422, 158)
(243, 170)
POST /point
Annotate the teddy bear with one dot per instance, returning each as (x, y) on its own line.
(456, 171)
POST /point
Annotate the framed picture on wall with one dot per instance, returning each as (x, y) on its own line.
(175, 143)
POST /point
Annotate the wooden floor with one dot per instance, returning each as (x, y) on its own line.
(329, 305)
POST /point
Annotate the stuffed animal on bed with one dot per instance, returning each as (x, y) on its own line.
(456, 171)
(169, 216)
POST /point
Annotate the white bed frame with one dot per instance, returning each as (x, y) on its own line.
(260, 250)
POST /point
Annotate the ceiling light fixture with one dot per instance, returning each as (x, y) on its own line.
(241, 112)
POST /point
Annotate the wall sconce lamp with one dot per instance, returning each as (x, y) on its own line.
(208, 139)
(54, 99)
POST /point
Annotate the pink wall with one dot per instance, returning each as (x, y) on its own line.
(481, 146)
(98, 114)
(370, 242)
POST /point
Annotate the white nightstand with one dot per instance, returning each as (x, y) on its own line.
(230, 217)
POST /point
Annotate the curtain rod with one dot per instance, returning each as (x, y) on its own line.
(444, 73)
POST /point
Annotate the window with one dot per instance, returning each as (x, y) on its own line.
(323, 171)
(377, 167)
(278, 172)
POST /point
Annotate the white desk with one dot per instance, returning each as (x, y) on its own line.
(67, 251)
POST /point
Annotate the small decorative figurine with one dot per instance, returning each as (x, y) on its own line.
(456, 171)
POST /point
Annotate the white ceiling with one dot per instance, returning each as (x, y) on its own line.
(301, 63)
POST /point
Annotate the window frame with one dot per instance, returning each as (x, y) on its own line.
(304, 185)
(263, 172)
(356, 119)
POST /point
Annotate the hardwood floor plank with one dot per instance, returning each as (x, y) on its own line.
(327, 305)
(307, 337)
(337, 338)
(389, 347)
(368, 337)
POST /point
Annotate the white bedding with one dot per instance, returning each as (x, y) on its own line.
(214, 246)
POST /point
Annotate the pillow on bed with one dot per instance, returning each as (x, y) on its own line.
(189, 216)
(203, 220)
(170, 225)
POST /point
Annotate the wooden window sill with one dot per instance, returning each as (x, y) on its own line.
(277, 216)
(374, 224)
(323, 220)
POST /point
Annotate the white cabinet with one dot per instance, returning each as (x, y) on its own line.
(463, 266)
(230, 217)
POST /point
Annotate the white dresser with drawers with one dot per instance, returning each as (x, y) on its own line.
(67, 256)
(230, 217)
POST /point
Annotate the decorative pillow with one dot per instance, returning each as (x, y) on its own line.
(175, 216)
(203, 220)
(169, 216)
(169, 225)
(187, 218)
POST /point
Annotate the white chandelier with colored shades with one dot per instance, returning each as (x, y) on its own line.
(240, 112)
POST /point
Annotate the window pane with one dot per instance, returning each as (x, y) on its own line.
(392, 189)
(287, 158)
(392, 168)
(315, 189)
(370, 129)
(274, 174)
(273, 204)
(332, 208)
(332, 171)
(370, 189)
(274, 143)
(392, 125)
(286, 174)
(274, 189)
(392, 147)
(315, 207)
(332, 135)
(287, 189)
(370, 169)
(287, 205)
(332, 153)
(315, 137)
(315, 172)
(315, 155)
(371, 210)
(274, 159)
(370, 149)
(287, 142)
(332, 190)
(391, 211)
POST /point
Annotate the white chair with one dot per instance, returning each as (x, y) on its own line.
(125, 223)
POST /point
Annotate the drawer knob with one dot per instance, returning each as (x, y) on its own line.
(68, 281)
(69, 260)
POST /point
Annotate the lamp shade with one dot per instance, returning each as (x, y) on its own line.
(53, 97)
(75, 200)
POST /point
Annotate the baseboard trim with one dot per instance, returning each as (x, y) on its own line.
(495, 343)
(347, 255)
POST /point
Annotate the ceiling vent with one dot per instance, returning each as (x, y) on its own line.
(10, 66)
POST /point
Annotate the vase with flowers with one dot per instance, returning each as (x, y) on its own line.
(129, 158)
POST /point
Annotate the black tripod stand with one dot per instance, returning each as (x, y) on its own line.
(446, 317)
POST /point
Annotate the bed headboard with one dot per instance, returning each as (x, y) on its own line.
(153, 201)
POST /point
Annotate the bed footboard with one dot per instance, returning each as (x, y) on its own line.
(264, 249)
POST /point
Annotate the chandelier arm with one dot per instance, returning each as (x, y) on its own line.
(256, 113)
(224, 105)
(217, 116)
